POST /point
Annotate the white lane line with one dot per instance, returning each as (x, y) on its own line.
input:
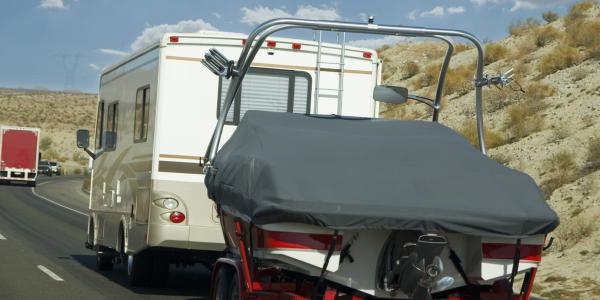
(58, 204)
(2, 237)
(49, 273)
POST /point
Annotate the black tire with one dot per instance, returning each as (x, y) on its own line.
(234, 287)
(160, 270)
(138, 269)
(104, 261)
(222, 284)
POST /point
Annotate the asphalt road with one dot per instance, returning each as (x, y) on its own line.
(42, 255)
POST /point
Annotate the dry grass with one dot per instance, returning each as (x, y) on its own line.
(538, 92)
(573, 230)
(550, 16)
(579, 74)
(593, 156)
(585, 33)
(564, 169)
(496, 99)
(459, 80)
(492, 139)
(522, 27)
(522, 122)
(428, 77)
(559, 58)
(545, 35)
(460, 47)
(579, 9)
(494, 52)
(410, 69)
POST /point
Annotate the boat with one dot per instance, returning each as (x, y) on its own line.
(340, 207)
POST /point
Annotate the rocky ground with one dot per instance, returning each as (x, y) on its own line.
(546, 124)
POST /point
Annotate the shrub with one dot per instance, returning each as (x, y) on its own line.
(578, 10)
(562, 161)
(571, 231)
(585, 34)
(563, 166)
(459, 80)
(545, 35)
(521, 27)
(593, 156)
(550, 16)
(460, 47)
(579, 74)
(521, 121)
(559, 58)
(428, 77)
(494, 52)
(45, 143)
(492, 139)
(410, 69)
(538, 92)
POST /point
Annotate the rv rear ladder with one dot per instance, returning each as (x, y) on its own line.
(330, 92)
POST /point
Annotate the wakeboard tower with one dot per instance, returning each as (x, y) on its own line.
(339, 207)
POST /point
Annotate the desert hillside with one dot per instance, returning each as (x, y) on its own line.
(58, 114)
(545, 124)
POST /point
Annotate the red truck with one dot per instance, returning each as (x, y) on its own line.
(19, 148)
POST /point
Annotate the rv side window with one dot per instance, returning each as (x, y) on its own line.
(99, 124)
(111, 120)
(142, 114)
(268, 90)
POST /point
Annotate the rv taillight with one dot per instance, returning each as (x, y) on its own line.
(367, 54)
(295, 240)
(271, 44)
(177, 217)
(244, 42)
(296, 46)
(174, 39)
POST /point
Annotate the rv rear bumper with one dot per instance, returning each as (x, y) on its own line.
(186, 237)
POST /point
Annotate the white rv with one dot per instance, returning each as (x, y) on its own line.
(156, 110)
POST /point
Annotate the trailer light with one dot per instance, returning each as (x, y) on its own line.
(174, 39)
(295, 240)
(271, 44)
(367, 54)
(296, 46)
(170, 203)
(177, 217)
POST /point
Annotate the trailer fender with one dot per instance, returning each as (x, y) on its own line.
(233, 264)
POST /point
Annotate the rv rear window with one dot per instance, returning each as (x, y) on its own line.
(268, 90)
(142, 114)
(99, 124)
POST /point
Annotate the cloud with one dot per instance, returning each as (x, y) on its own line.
(413, 14)
(59, 4)
(437, 11)
(378, 43)
(260, 14)
(113, 52)
(484, 2)
(533, 4)
(153, 34)
(217, 15)
(94, 67)
(455, 10)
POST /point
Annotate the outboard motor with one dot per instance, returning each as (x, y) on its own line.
(412, 266)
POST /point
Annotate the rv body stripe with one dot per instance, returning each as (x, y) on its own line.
(278, 66)
(180, 156)
(179, 167)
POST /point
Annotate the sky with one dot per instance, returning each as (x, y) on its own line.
(64, 44)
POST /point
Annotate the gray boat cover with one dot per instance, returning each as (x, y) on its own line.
(358, 173)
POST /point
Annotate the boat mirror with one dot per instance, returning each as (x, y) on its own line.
(390, 94)
(83, 138)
